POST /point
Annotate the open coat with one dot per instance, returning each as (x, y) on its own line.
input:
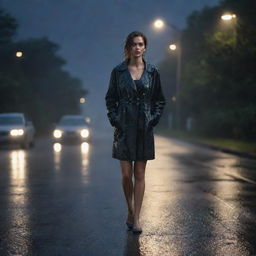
(124, 105)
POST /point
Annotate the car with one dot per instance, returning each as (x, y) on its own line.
(72, 128)
(15, 128)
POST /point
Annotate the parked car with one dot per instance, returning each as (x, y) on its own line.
(15, 128)
(72, 128)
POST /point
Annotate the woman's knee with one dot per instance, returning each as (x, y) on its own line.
(139, 170)
(126, 171)
(139, 174)
(126, 178)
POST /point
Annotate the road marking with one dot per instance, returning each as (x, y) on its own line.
(237, 176)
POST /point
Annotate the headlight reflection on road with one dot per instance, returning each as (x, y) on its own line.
(17, 201)
(57, 150)
(84, 157)
(85, 147)
(18, 164)
(57, 147)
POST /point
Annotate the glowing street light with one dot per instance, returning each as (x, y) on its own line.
(158, 24)
(173, 47)
(228, 16)
(231, 19)
(19, 54)
(82, 100)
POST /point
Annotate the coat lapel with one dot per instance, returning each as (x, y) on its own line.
(144, 78)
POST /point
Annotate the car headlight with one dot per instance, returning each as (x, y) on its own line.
(57, 133)
(84, 133)
(17, 132)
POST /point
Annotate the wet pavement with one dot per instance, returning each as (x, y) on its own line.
(68, 200)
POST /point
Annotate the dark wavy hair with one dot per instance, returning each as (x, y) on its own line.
(129, 42)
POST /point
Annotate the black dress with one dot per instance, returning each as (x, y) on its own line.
(140, 152)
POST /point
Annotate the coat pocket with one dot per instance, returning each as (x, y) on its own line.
(149, 121)
(120, 119)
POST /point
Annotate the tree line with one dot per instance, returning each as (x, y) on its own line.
(218, 79)
(35, 83)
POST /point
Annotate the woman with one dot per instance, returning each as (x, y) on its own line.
(135, 104)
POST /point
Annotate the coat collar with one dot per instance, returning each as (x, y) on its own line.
(123, 66)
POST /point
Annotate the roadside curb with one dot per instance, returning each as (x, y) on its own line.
(218, 148)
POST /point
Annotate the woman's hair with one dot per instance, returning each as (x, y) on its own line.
(129, 42)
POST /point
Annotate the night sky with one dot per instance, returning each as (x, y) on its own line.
(91, 34)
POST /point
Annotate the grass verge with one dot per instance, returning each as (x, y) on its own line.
(233, 144)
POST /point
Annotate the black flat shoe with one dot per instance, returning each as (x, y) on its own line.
(129, 225)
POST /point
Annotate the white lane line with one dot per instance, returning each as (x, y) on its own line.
(223, 201)
(237, 176)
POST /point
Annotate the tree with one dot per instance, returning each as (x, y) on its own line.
(35, 83)
(218, 85)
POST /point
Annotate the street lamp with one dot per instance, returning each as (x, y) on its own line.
(82, 100)
(228, 16)
(231, 18)
(159, 24)
(19, 54)
(172, 47)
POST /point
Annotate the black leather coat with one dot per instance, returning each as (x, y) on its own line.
(126, 107)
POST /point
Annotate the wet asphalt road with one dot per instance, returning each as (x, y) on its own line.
(69, 201)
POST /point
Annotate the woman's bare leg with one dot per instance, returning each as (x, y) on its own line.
(127, 172)
(139, 188)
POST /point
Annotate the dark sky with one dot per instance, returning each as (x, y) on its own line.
(91, 33)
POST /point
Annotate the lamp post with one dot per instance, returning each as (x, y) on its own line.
(160, 24)
(228, 18)
(174, 47)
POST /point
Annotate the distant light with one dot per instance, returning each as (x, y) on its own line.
(88, 119)
(85, 147)
(158, 23)
(82, 100)
(19, 54)
(17, 132)
(173, 47)
(57, 147)
(173, 98)
(228, 16)
(84, 133)
(57, 133)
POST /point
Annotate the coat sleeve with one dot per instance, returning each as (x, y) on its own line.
(111, 99)
(158, 99)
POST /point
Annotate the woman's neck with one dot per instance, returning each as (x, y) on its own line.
(136, 62)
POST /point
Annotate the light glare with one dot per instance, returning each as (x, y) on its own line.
(57, 147)
(19, 54)
(85, 147)
(84, 133)
(173, 47)
(82, 100)
(57, 133)
(158, 23)
(17, 132)
(228, 16)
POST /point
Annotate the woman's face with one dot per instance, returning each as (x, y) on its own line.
(138, 47)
